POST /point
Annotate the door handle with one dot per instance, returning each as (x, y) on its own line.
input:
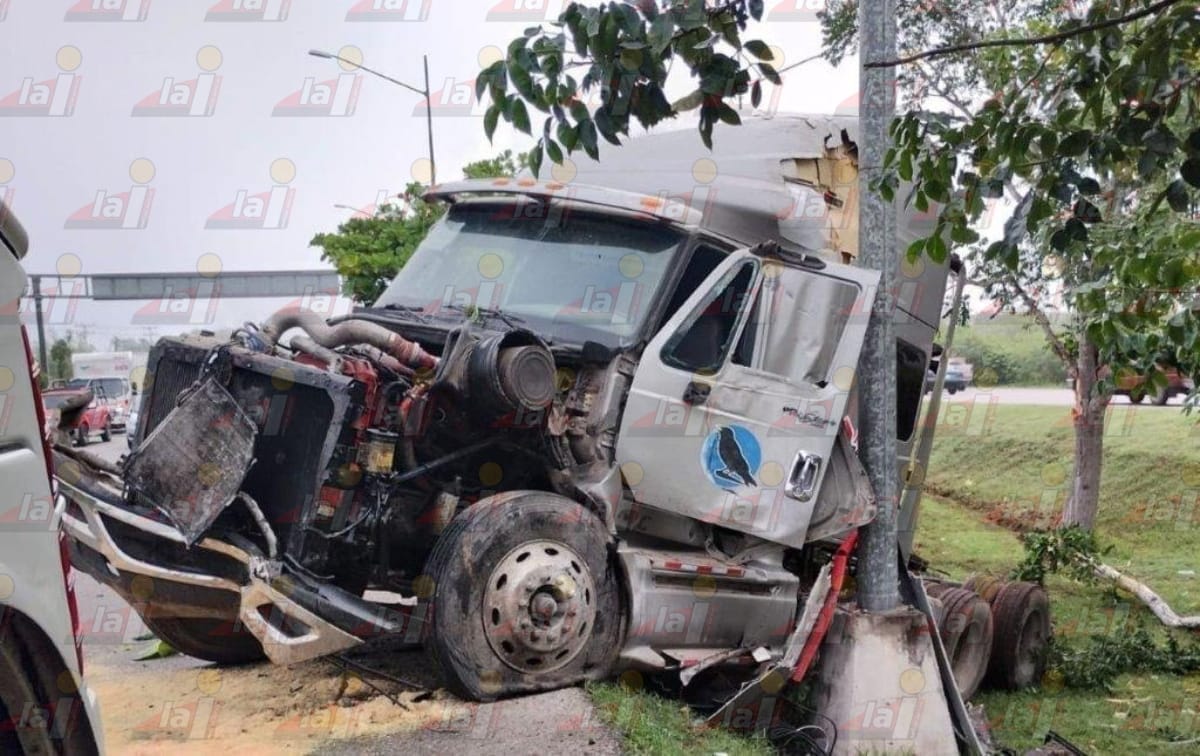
(696, 393)
(802, 482)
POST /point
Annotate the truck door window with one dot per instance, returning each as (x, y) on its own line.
(704, 260)
(706, 336)
(796, 324)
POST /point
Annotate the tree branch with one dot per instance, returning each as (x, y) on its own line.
(1039, 317)
(1048, 39)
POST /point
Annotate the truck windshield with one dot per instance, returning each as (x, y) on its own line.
(578, 276)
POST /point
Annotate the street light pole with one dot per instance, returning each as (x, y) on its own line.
(425, 92)
(36, 283)
(879, 575)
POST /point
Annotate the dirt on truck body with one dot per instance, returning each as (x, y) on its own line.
(592, 425)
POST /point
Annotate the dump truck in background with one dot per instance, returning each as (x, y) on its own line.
(598, 421)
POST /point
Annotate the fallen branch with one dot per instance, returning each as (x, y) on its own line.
(1152, 600)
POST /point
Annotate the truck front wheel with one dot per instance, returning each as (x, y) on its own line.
(525, 597)
(214, 640)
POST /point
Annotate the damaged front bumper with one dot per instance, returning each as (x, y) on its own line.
(294, 617)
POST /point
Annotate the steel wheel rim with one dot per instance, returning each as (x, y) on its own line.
(539, 606)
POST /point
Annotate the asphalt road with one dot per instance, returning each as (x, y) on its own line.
(1047, 397)
(177, 704)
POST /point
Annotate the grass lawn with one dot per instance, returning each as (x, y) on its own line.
(1016, 468)
(1012, 464)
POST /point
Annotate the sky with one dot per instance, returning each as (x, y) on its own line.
(185, 135)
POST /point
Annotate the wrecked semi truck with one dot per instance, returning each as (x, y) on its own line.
(598, 421)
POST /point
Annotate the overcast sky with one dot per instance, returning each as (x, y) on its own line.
(172, 135)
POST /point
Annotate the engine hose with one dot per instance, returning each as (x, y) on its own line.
(332, 360)
(345, 333)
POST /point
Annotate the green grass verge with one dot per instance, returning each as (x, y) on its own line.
(1015, 468)
(651, 724)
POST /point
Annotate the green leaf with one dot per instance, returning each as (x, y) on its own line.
(535, 158)
(604, 125)
(579, 111)
(913, 253)
(936, 249)
(1088, 186)
(760, 50)
(1190, 171)
(769, 72)
(1076, 143)
(568, 136)
(1177, 196)
(631, 59)
(756, 9)
(554, 151)
(520, 116)
(905, 166)
(961, 234)
(728, 115)
(756, 94)
(490, 116)
(587, 137)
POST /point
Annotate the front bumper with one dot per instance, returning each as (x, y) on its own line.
(287, 631)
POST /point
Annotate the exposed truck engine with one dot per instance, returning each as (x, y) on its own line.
(586, 428)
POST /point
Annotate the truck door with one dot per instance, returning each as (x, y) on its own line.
(738, 399)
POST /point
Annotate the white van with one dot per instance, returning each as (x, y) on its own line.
(44, 704)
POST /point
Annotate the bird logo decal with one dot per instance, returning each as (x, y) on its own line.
(731, 456)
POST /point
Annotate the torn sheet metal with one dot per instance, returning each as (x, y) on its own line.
(192, 465)
(772, 680)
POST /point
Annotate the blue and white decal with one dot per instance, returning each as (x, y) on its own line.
(731, 456)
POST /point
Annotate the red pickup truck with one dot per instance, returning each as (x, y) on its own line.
(78, 413)
(1134, 386)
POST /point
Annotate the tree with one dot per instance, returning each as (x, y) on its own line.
(1069, 114)
(368, 252)
(60, 360)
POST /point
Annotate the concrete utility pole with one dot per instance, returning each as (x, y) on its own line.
(878, 584)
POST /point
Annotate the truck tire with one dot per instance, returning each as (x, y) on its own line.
(215, 640)
(1162, 397)
(81, 434)
(986, 586)
(525, 597)
(106, 434)
(1021, 612)
(965, 626)
(1136, 395)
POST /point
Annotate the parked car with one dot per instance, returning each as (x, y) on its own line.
(1133, 385)
(45, 707)
(118, 392)
(954, 381)
(95, 417)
